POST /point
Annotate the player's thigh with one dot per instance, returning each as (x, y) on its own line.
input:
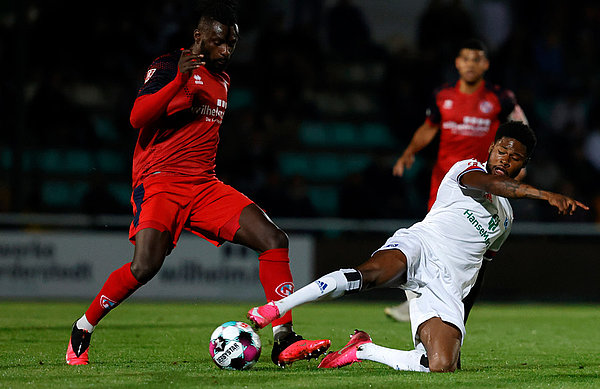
(442, 341)
(386, 268)
(258, 232)
(216, 210)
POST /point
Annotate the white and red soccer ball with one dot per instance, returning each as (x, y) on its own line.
(234, 346)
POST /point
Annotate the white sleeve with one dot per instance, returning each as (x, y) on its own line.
(467, 166)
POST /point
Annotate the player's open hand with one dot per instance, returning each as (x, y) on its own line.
(565, 205)
(403, 163)
(190, 61)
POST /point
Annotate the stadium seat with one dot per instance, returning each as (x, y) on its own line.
(321, 167)
(63, 194)
(77, 161)
(344, 135)
(239, 98)
(313, 133)
(121, 191)
(325, 199)
(6, 156)
(291, 164)
(373, 134)
(109, 161)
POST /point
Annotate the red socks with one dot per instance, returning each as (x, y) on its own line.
(274, 272)
(276, 278)
(119, 285)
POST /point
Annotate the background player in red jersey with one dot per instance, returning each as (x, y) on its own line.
(468, 114)
(179, 110)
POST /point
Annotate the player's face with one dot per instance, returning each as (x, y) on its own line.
(217, 42)
(471, 65)
(507, 157)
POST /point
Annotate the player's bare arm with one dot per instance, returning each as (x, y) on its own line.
(510, 188)
(422, 137)
(518, 115)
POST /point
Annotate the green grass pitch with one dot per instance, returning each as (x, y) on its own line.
(165, 345)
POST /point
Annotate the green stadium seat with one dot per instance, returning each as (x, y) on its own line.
(324, 199)
(294, 163)
(323, 167)
(376, 135)
(313, 134)
(62, 194)
(345, 134)
(109, 161)
(356, 163)
(77, 161)
(240, 98)
(327, 166)
(6, 156)
(121, 191)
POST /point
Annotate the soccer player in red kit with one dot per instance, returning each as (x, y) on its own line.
(178, 112)
(467, 115)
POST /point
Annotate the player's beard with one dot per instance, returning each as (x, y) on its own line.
(210, 63)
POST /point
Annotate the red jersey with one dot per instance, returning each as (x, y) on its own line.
(186, 112)
(468, 124)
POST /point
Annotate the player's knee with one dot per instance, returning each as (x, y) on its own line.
(276, 239)
(441, 363)
(144, 271)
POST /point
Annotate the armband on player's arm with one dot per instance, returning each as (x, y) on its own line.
(149, 108)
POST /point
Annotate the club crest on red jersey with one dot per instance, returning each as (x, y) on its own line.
(485, 106)
(149, 75)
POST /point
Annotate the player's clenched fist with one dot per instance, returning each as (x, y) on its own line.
(190, 61)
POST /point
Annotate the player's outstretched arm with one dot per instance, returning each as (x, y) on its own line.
(422, 137)
(510, 188)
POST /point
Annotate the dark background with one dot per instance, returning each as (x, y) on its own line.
(325, 95)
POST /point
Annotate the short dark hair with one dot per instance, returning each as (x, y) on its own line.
(473, 44)
(222, 11)
(519, 131)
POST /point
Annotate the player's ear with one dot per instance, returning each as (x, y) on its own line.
(486, 64)
(197, 35)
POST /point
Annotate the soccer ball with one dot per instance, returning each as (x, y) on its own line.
(234, 346)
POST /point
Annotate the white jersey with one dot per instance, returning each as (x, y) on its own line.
(463, 225)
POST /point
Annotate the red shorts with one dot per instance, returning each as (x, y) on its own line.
(207, 207)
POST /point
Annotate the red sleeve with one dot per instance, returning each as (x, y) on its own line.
(148, 108)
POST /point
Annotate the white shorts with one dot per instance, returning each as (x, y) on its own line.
(427, 276)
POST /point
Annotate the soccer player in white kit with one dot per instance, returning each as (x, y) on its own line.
(438, 258)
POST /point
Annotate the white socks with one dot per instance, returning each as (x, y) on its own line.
(396, 359)
(332, 285)
(84, 324)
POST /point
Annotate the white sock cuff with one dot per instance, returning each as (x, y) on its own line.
(84, 324)
(339, 282)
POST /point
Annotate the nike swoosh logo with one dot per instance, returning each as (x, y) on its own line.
(345, 348)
